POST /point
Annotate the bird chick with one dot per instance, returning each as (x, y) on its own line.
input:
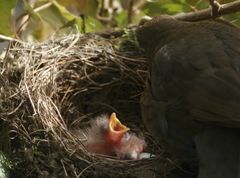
(130, 146)
(107, 135)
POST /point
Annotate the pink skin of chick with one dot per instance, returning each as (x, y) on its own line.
(130, 146)
(110, 137)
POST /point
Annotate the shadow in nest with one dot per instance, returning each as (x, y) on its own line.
(49, 89)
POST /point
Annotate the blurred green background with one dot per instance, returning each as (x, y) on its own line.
(36, 20)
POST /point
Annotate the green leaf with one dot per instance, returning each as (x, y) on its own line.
(35, 30)
(173, 7)
(86, 7)
(5, 13)
(153, 8)
(30, 11)
(93, 25)
(58, 17)
(121, 19)
(54, 15)
(63, 11)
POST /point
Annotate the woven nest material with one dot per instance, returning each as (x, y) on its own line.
(50, 89)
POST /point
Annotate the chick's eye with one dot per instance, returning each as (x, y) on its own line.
(126, 136)
(105, 127)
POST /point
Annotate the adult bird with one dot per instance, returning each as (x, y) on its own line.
(192, 98)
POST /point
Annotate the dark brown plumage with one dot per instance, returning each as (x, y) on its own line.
(192, 100)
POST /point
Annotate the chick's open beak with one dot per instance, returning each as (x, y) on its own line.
(116, 126)
(116, 129)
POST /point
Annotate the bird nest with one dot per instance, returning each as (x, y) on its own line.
(50, 89)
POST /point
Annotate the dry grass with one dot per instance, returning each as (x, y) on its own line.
(48, 90)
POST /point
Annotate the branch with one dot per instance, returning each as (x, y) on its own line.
(6, 38)
(130, 11)
(206, 13)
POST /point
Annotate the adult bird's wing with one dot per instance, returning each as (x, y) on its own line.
(195, 66)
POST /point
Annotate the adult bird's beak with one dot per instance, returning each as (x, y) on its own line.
(116, 129)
